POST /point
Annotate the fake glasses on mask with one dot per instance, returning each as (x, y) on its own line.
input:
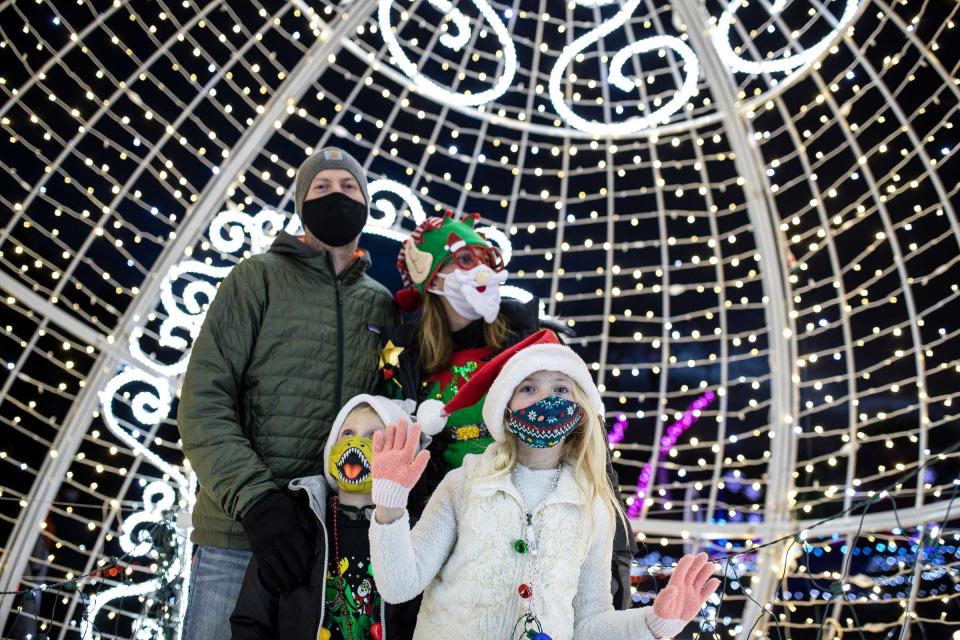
(474, 255)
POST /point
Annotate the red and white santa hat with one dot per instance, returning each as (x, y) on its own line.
(499, 378)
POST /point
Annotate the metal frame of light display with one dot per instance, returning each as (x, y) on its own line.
(747, 202)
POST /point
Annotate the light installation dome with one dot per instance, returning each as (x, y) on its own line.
(743, 214)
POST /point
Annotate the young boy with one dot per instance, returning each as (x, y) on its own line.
(340, 600)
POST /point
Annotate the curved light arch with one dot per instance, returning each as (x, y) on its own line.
(431, 88)
(567, 248)
(797, 62)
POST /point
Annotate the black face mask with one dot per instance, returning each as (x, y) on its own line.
(335, 219)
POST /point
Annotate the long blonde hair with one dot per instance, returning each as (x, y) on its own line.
(584, 450)
(436, 341)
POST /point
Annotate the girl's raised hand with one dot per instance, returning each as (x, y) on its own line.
(396, 465)
(688, 590)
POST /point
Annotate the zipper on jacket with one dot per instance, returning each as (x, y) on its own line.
(338, 286)
(340, 346)
(323, 600)
(383, 618)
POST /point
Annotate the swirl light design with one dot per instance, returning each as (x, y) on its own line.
(621, 81)
(429, 87)
(797, 62)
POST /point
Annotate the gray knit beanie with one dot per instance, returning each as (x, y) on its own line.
(328, 158)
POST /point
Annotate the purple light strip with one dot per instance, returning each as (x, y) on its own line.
(619, 430)
(667, 442)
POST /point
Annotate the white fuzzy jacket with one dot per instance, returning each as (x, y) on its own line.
(461, 555)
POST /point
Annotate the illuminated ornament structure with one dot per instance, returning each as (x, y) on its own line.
(455, 42)
(786, 63)
(614, 75)
(753, 198)
(622, 81)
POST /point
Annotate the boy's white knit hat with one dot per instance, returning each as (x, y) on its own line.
(499, 378)
(390, 411)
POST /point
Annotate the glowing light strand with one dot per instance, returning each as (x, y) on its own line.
(619, 430)
(797, 62)
(158, 498)
(431, 88)
(667, 441)
(148, 407)
(188, 319)
(720, 37)
(622, 82)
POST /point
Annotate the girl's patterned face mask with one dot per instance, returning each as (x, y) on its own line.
(545, 423)
(349, 464)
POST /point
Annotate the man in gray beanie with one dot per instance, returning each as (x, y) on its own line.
(291, 335)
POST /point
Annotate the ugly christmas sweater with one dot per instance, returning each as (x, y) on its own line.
(404, 378)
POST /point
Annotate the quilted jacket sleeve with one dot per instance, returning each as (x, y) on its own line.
(209, 416)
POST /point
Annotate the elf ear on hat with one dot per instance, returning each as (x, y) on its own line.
(425, 251)
(499, 378)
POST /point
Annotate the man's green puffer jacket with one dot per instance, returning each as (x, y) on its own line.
(284, 344)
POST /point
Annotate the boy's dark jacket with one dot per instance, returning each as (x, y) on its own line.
(298, 614)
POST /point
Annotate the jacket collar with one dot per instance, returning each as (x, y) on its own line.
(355, 270)
(291, 246)
(316, 488)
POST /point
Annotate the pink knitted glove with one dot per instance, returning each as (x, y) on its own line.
(396, 465)
(688, 590)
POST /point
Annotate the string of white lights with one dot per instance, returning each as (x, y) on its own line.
(428, 86)
(674, 192)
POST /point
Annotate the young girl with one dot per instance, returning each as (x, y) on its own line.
(516, 543)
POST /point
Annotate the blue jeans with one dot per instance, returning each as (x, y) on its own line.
(214, 586)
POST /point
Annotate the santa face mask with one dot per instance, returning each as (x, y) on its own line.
(349, 464)
(474, 293)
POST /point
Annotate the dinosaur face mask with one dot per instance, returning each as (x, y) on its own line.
(349, 464)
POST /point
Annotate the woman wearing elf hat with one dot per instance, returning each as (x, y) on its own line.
(453, 274)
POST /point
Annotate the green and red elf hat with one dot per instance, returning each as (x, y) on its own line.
(497, 380)
(427, 249)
